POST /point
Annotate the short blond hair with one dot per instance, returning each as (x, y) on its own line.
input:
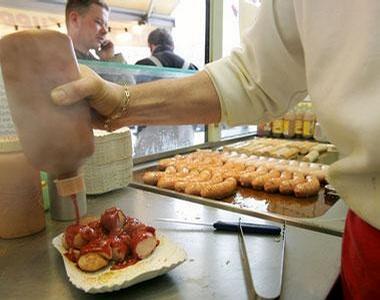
(82, 6)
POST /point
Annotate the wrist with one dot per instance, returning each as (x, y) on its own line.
(120, 110)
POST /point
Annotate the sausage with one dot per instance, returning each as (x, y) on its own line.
(194, 188)
(285, 175)
(143, 243)
(91, 262)
(274, 173)
(164, 163)
(272, 185)
(180, 184)
(220, 190)
(307, 189)
(120, 248)
(287, 186)
(204, 175)
(231, 173)
(249, 168)
(171, 170)
(79, 241)
(259, 181)
(152, 178)
(236, 165)
(246, 178)
(113, 219)
(320, 174)
(261, 170)
(166, 182)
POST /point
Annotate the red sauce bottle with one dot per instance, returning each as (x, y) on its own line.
(54, 139)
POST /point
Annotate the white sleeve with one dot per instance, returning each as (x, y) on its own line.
(266, 76)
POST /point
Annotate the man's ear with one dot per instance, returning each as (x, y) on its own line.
(151, 47)
(74, 18)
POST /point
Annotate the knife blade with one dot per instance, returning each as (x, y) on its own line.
(231, 226)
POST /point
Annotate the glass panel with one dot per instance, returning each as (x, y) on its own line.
(231, 39)
(151, 139)
(228, 132)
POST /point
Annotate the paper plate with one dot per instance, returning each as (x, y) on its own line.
(165, 257)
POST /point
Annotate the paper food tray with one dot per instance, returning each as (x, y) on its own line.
(165, 257)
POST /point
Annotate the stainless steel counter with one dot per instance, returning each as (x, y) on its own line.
(30, 268)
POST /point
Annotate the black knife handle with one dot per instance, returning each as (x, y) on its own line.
(247, 227)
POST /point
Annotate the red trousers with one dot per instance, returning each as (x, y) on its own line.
(360, 272)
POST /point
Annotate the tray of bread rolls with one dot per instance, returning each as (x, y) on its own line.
(308, 151)
(286, 187)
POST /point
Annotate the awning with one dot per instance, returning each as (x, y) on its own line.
(154, 12)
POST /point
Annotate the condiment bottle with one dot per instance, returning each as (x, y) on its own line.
(298, 124)
(55, 139)
(264, 128)
(267, 128)
(261, 128)
(308, 124)
(289, 124)
(277, 127)
(21, 208)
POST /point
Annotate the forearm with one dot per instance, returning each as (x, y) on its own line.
(189, 100)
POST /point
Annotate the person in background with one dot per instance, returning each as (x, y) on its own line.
(153, 139)
(329, 49)
(87, 26)
(161, 47)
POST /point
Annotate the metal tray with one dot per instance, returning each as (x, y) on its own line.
(254, 203)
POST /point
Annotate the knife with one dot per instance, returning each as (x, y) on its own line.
(232, 226)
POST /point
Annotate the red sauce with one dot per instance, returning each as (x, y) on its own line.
(70, 233)
(102, 246)
(125, 263)
(88, 233)
(114, 236)
(112, 219)
(75, 203)
(72, 254)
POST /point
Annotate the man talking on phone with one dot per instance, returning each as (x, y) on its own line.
(87, 26)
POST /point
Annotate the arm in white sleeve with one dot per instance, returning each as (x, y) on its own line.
(266, 76)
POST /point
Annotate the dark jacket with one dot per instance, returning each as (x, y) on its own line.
(167, 58)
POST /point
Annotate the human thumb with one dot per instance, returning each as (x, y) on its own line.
(74, 91)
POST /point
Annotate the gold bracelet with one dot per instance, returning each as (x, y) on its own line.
(120, 110)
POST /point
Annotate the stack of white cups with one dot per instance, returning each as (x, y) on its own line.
(110, 167)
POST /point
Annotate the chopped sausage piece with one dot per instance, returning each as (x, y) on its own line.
(91, 262)
(143, 243)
